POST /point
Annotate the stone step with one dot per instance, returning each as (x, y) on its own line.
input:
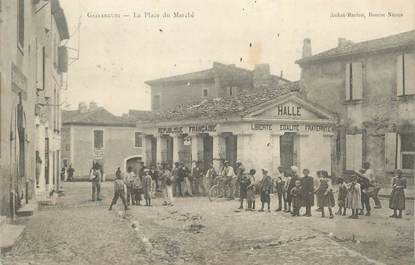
(27, 209)
(9, 235)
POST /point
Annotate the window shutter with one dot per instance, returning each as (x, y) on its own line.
(390, 151)
(347, 83)
(399, 76)
(358, 151)
(409, 74)
(349, 152)
(357, 85)
(354, 152)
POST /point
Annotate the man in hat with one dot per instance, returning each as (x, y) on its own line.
(229, 174)
(239, 170)
(265, 188)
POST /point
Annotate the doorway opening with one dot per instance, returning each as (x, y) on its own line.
(287, 154)
(231, 148)
(135, 163)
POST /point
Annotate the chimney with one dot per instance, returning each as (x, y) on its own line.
(82, 108)
(92, 106)
(306, 48)
(261, 76)
(342, 42)
(281, 73)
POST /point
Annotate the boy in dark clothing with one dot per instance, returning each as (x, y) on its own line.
(307, 184)
(293, 178)
(296, 194)
(118, 192)
(265, 190)
(279, 189)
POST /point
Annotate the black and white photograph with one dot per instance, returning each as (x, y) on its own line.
(207, 132)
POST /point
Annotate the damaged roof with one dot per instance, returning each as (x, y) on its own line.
(405, 39)
(210, 109)
(99, 116)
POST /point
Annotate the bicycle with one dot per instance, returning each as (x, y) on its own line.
(217, 190)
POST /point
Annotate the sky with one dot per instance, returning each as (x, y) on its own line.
(117, 55)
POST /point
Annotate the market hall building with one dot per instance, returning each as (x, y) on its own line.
(272, 127)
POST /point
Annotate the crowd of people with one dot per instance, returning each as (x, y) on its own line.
(292, 191)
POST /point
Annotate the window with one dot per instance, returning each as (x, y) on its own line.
(98, 139)
(354, 81)
(20, 23)
(205, 92)
(354, 152)
(408, 151)
(156, 102)
(405, 79)
(138, 140)
(231, 90)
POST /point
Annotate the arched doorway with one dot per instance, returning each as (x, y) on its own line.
(135, 162)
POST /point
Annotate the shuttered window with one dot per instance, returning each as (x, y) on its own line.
(98, 139)
(354, 81)
(405, 78)
(391, 141)
(407, 151)
(138, 139)
(354, 152)
(20, 23)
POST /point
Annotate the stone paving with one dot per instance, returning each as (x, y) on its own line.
(196, 231)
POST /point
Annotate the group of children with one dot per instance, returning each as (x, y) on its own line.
(294, 193)
(134, 186)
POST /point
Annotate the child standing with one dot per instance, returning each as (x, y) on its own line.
(397, 200)
(137, 190)
(296, 199)
(354, 199)
(325, 194)
(265, 189)
(341, 197)
(250, 191)
(279, 187)
(118, 192)
(307, 184)
(287, 196)
(147, 187)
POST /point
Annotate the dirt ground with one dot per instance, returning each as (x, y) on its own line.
(196, 231)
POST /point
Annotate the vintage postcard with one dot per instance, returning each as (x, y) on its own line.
(207, 132)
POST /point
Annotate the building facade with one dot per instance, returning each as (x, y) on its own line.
(94, 135)
(371, 87)
(219, 81)
(33, 63)
(267, 129)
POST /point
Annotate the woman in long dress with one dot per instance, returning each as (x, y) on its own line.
(325, 194)
(397, 199)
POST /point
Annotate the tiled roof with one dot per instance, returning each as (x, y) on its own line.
(137, 115)
(394, 41)
(210, 109)
(218, 70)
(99, 116)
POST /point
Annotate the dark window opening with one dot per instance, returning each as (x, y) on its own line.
(98, 139)
(138, 140)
